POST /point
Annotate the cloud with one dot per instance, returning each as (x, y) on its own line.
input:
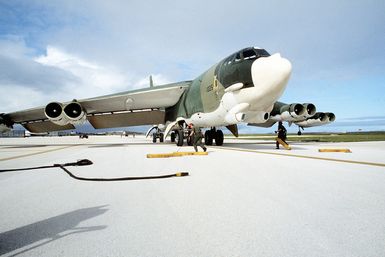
(57, 75)
(14, 98)
(91, 76)
(21, 71)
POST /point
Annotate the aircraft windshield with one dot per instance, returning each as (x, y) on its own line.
(246, 54)
(254, 53)
(262, 52)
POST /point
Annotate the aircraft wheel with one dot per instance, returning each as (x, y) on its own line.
(154, 137)
(172, 137)
(179, 137)
(161, 137)
(190, 140)
(219, 137)
(208, 137)
(299, 133)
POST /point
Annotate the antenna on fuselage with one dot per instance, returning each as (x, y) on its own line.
(151, 82)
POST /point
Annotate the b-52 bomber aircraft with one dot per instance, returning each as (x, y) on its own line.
(242, 88)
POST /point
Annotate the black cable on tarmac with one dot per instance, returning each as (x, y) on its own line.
(85, 162)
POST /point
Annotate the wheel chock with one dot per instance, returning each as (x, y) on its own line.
(280, 141)
(334, 150)
(189, 153)
(174, 154)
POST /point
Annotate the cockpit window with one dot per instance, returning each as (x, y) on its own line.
(249, 54)
(238, 57)
(262, 53)
(245, 54)
(229, 59)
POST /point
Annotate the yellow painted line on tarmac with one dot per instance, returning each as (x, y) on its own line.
(301, 156)
(35, 153)
(174, 154)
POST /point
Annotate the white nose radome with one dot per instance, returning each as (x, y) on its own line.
(270, 75)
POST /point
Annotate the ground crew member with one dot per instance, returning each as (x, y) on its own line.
(197, 136)
(281, 134)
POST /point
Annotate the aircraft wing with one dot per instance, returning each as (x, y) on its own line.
(131, 108)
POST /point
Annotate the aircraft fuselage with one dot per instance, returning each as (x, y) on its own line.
(241, 88)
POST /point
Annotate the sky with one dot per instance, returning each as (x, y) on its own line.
(61, 50)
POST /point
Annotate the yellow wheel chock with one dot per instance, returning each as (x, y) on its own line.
(280, 141)
(334, 150)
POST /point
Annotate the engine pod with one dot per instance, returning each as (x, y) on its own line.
(74, 113)
(54, 112)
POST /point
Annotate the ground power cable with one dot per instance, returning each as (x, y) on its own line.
(86, 162)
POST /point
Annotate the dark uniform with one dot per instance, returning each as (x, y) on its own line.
(281, 134)
(197, 135)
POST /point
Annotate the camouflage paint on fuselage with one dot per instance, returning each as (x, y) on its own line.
(206, 91)
(203, 95)
(211, 90)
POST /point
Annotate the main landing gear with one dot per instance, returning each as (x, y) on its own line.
(211, 135)
(179, 135)
(157, 134)
(214, 135)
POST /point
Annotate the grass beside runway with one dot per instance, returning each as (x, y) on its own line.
(333, 137)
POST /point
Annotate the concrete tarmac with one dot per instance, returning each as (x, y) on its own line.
(243, 199)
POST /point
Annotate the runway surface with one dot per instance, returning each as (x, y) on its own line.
(243, 199)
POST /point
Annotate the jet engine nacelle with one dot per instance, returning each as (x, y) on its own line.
(318, 119)
(290, 112)
(5, 124)
(71, 113)
(331, 116)
(54, 112)
(310, 110)
(74, 113)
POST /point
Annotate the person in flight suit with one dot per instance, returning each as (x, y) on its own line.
(281, 134)
(197, 136)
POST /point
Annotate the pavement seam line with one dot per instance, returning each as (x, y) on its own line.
(36, 153)
(302, 156)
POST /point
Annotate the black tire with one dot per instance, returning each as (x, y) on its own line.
(219, 137)
(208, 137)
(154, 137)
(179, 137)
(161, 137)
(299, 133)
(172, 137)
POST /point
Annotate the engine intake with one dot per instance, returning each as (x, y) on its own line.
(292, 112)
(331, 116)
(310, 109)
(317, 119)
(322, 117)
(71, 113)
(75, 113)
(54, 112)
